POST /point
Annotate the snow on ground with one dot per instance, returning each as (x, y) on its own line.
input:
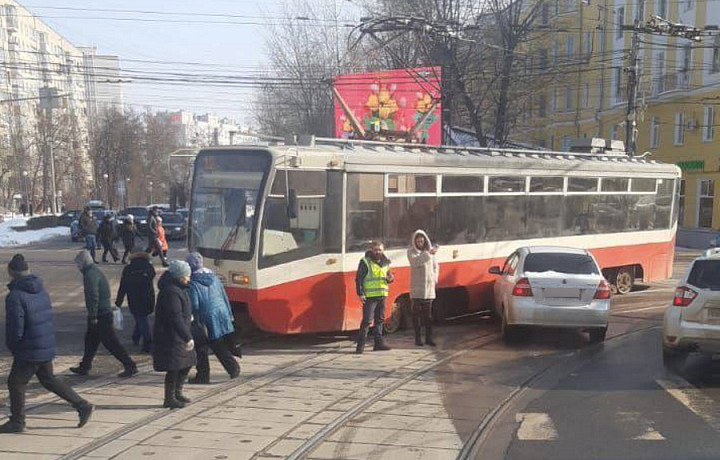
(10, 238)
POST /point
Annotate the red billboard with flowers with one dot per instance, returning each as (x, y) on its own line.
(395, 104)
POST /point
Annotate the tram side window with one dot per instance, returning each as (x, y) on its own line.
(611, 212)
(544, 216)
(505, 217)
(285, 237)
(364, 210)
(460, 220)
(664, 200)
(404, 215)
(579, 216)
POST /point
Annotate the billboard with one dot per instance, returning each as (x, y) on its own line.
(393, 104)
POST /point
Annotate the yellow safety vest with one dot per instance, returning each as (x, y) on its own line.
(375, 283)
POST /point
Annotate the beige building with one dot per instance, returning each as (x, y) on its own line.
(678, 92)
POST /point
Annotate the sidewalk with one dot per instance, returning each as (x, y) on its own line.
(283, 398)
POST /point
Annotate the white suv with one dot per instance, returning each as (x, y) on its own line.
(692, 322)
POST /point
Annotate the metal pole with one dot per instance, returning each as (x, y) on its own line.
(633, 79)
(52, 163)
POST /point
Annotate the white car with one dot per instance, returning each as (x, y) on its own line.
(551, 286)
(692, 322)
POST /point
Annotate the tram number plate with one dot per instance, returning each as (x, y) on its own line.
(562, 293)
(713, 315)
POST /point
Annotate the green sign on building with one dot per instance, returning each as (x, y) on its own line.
(693, 165)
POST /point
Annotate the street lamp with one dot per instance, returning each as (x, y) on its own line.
(127, 192)
(151, 191)
(107, 184)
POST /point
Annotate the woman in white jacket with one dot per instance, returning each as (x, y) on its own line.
(424, 272)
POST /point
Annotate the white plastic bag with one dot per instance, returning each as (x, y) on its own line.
(117, 319)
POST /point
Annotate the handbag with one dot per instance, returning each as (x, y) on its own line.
(117, 319)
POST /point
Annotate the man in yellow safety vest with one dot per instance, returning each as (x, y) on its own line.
(372, 282)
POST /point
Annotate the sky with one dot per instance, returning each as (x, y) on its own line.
(186, 40)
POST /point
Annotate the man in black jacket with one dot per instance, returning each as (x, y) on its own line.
(108, 234)
(137, 283)
(31, 340)
(128, 232)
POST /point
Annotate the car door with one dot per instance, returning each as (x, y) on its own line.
(506, 281)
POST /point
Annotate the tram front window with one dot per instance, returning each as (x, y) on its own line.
(225, 195)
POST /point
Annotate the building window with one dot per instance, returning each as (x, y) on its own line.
(588, 44)
(689, 4)
(662, 9)
(619, 90)
(708, 131)
(684, 74)
(658, 84)
(543, 59)
(681, 202)
(715, 68)
(679, 136)
(570, 47)
(542, 105)
(654, 132)
(568, 98)
(620, 20)
(586, 96)
(705, 203)
(566, 142)
(545, 14)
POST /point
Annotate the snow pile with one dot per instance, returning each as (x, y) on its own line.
(10, 237)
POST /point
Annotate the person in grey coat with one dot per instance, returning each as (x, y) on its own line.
(424, 273)
(174, 350)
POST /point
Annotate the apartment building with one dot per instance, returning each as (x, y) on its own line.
(49, 95)
(678, 91)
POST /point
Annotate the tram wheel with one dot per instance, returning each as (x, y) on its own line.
(399, 310)
(624, 280)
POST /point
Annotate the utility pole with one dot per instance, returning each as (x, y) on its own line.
(633, 71)
(49, 101)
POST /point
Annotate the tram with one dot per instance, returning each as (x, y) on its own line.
(285, 226)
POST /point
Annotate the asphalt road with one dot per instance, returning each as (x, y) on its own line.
(553, 395)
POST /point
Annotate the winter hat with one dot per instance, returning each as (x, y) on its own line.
(18, 266)
(195, 260)
(138, 251)
(83, 259)
(178, 269)
(130, 217)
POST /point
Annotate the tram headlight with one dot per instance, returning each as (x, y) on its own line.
(240, 278)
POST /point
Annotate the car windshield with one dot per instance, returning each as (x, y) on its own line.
(169, 218)
(705, 274)
(136, 212)
(573, 264)
(224, 196)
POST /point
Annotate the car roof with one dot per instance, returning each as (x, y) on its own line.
(554, 250)
(710, 254)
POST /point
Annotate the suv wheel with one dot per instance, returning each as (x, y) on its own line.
(674, 360)
(597, 335)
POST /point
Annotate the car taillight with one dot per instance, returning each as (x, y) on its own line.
(603, 291)
(683, 296)
(522, 288)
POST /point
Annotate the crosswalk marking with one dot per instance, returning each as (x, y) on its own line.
(636, 423)
(693, 398)
(535, 427)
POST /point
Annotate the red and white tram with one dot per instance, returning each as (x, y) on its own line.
(285, 225)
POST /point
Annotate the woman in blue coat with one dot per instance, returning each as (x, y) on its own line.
(213, 318)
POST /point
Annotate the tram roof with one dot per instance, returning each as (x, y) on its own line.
(383, 156)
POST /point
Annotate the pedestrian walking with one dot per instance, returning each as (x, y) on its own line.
(108, 234)
(88, 229)
(162, 239)
(213, 320)
(173, 351)
(424, 273)
(99, 319)
(128, 232)
(154, 243)
(137, 283)
(372, 283)
(30, 337)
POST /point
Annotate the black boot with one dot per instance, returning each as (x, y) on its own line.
(129, 371)
(12, 427)
(379, 339)
(84, 413)
(418, 336)
(80, 370)
(362, 336)
(428, 333)
(170, 401)
(179, 384)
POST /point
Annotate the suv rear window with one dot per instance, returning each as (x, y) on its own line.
(573, 264)
(705, 274)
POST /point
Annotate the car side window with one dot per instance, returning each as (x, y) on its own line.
(510, 264)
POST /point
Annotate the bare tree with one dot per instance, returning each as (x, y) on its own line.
(305, 56)
(162, 137)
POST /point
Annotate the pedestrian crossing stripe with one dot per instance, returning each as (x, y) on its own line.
(538, 426)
